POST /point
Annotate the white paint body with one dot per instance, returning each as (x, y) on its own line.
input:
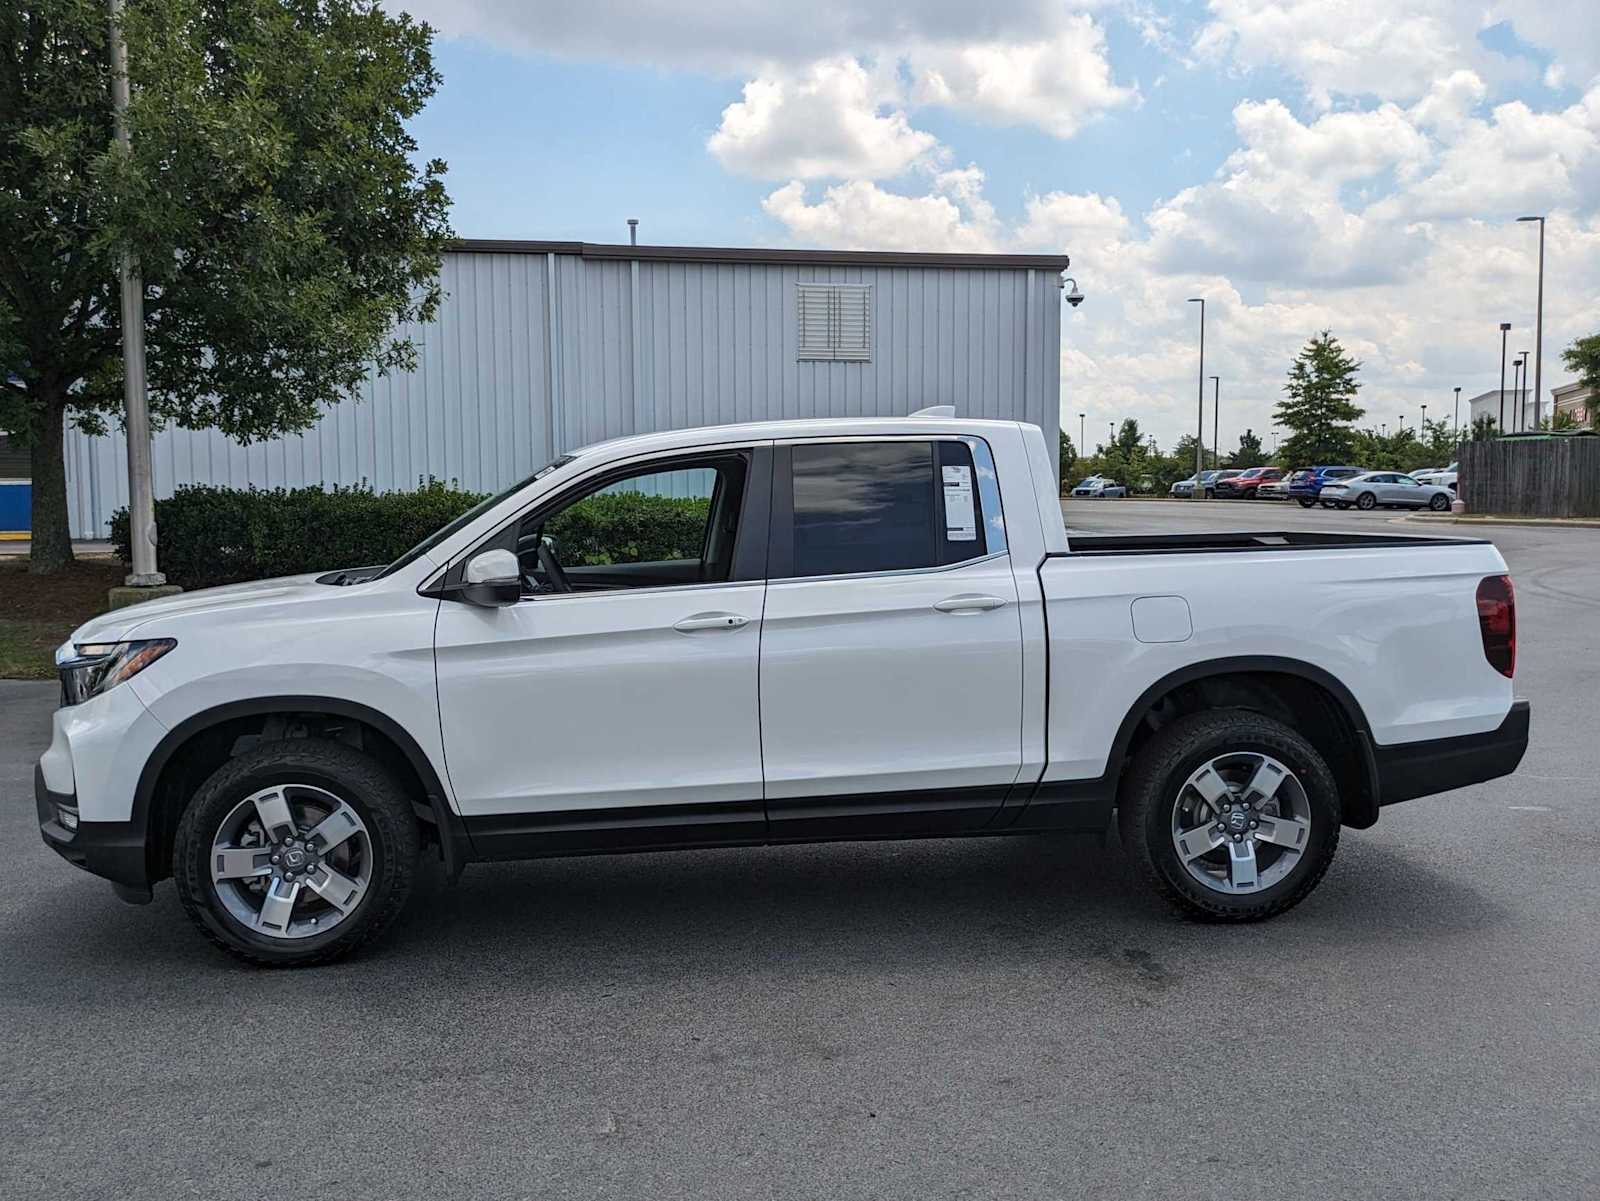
(836, 686)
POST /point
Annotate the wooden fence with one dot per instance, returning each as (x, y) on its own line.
(1532, 477)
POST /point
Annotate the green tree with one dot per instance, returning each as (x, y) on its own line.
(1319, 407)
(1583, 357)
(1250, 453)
(281, 226)
(1484, 429)
(1069, 458)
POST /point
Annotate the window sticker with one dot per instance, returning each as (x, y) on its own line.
(960, 518)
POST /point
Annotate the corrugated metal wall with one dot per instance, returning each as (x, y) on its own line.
(716, 343)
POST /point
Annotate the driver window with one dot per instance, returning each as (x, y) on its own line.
(662, 526)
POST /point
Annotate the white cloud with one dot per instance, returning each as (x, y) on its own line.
(861, 215)
(1395, 49)
(1056, 83)
(827, 122)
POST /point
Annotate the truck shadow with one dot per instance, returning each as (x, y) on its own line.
(996, 904)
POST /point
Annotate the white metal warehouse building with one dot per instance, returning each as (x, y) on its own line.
(541, 347)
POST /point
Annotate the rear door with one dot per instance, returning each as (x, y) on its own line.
(891, 650)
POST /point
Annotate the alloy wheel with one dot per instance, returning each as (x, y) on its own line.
(291, 861)
(1241, 822)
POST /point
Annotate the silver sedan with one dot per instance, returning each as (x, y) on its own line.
(1385, 489)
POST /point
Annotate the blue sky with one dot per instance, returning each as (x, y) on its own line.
(1358, 169)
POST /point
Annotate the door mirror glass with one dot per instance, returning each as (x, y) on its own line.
(491, 579)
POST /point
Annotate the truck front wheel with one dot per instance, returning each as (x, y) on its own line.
(295, 853)
(1232, 815)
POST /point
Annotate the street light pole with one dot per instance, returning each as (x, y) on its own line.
(1200, 406)
(141, 499)
(1423, 429)
(1216, 421)
(1082, 449)
(1505, 328)
(1458, 414)
(1538, 328)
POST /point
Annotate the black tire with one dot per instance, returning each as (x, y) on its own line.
(1342, 505)
(350, 776)
(1366, 502)
(1306, 502)
(1439, 503)
(1156, 780)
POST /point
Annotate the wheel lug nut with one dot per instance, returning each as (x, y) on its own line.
(1237, 837)
(1253, 825)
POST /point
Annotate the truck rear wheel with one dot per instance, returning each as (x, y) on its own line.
(1232, 815)
(295, 853)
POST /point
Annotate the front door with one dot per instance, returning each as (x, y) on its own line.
(891, 649)
(615, 705)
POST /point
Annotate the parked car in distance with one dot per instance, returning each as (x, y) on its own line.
(1099, 486)
(1275, 489)
(1444, 477)
(1185, 488)
(1306, 484)
(1386, 489)
(868, 628)
(1243, 486)
(1208, 481)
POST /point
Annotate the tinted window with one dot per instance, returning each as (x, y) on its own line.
(883, 506)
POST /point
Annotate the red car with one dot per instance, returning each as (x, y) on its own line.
(1243, 486)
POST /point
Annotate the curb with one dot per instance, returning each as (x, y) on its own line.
(1536, 523)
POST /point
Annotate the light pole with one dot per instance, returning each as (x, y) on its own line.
(1082, 449)
(1422, 430)
(1522, 397)
(1216, 420)
(1458, 414)
(1200, 404)
(141, 499)
(1538, 327)
(1505, 328)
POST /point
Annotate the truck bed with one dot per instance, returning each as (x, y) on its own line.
(1178, 544)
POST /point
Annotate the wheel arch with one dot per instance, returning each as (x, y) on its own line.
(1271, 685)
(205, 739)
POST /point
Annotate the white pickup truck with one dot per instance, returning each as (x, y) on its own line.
(811, 630)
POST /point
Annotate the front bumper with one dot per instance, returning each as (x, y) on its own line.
(115, 850)
(1413, 769)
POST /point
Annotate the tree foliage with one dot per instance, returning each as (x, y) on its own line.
(1069, 456)
(279, 222)
(1583, 358)
(1250, 453)
(1319, 406)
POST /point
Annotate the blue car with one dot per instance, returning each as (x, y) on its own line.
(1305, 485)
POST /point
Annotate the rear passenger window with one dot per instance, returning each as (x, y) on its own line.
(884, 506)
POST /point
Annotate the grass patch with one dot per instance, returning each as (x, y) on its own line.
(38, 612)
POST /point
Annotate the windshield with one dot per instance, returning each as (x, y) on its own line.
(1093, 479)
(483, 506)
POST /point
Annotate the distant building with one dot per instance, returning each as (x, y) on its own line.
(1487, 404)
(541, 347)
(1574, 398)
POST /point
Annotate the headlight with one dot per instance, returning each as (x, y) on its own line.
(91, 668)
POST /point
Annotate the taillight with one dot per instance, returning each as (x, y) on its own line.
(1497, 622)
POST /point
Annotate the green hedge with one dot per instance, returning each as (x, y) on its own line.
(212, 536)
(215, 536)
(629, 527)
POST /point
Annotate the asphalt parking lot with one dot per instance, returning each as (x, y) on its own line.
(982, 1018)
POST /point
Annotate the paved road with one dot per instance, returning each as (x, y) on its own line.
(990, 1018)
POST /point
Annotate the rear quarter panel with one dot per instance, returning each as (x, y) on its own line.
(1397, 626)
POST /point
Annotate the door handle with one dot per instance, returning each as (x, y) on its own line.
(969, 604)
(711, 621)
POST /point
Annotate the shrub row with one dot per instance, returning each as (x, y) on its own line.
(212, 536)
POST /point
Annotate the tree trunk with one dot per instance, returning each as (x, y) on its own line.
(52, 536)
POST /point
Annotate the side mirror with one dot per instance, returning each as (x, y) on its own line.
(492, 579)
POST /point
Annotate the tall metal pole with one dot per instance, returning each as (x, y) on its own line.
(1522, 396)
(1458, 414)
(1200, 406)
(1216, 408)
(1538, 329)
(1505, 328)
(1082, 449)
(141, 499)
